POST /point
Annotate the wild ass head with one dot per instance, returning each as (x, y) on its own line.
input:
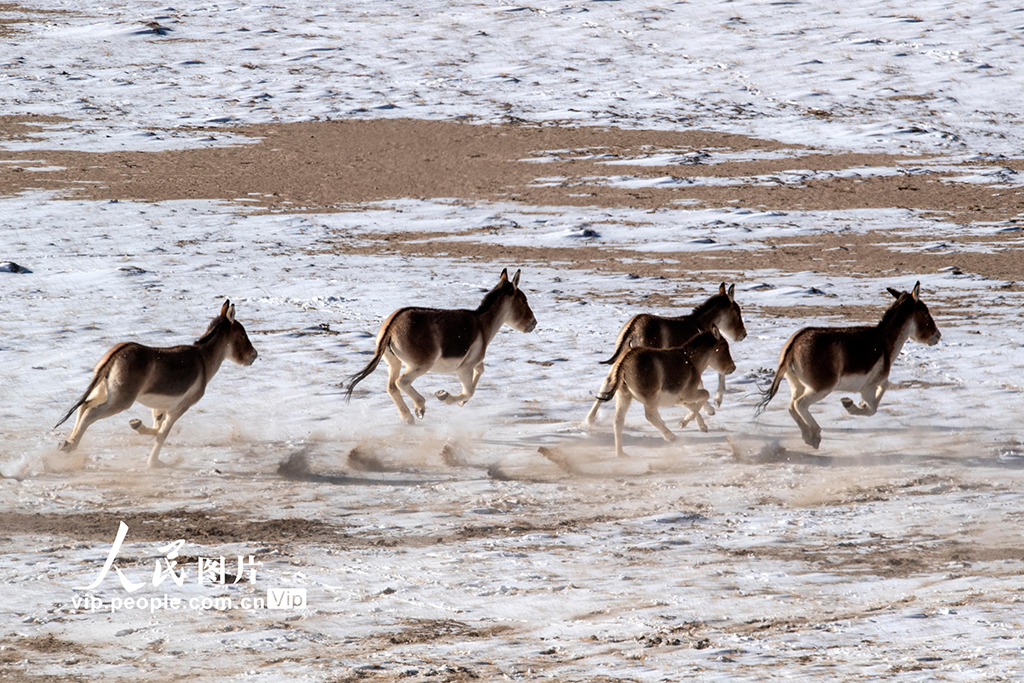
(721, 358)
(729, 320)
(924, 329)
(710, 349)
(520, 317)
(239, 348)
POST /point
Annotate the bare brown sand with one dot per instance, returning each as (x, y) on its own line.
(323, 165)
(336, 165)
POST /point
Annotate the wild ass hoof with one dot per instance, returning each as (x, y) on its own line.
(157, 463)
(718, 403)
(135, 424)
(670, 437)
(702, 427)
(66, 447)
(420, 411)
(710, 409)
(851, 407)
(442, 395)
(813, 440)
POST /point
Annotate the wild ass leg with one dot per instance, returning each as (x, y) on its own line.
(419, 404)
(654, 417)
(622, 401)
(103, 406)
(796, 390)
(872, 395)
(394, 371)
(694, 406)
(468, 378)
(170, 417)
(694, 413)
(158, 416)
(708, 408)
(718, 394)
(813, 435)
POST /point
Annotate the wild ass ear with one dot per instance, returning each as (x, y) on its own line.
(224, 308)
(916, 293)
(504, 274)
(715, 332)
(732, 292)
(515, 278)
(231, 313)
(721, 288)
(894, 292)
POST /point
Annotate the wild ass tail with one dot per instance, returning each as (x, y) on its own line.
(623, 343)
(98, 376)
(383, 339)
(614, 382)
(768, 394)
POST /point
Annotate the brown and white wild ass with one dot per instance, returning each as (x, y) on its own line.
(666, 377)
(168, 380)
(661, 332)
(819, 360)
(445, 340)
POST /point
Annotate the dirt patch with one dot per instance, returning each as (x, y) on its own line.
(442, 630)
(51, 644)
(341, 165)
(871, 254)
(27, 650)
(15, 676)
(22, 127)
(326, 165)
(213, 530)
(892, 559)
(10, 25)
(195, 527)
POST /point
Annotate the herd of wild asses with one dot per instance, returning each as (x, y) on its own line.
(657, 360)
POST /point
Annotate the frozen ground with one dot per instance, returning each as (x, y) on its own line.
(498, 538)
(865, 75)
(501, 540)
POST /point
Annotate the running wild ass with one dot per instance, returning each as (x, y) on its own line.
(819, 360)
(659, 332)
(168, 380)
(666, 377)
(444, 340)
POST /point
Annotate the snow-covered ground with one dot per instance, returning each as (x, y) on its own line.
(500, 539)
(940, 76)
(472, 550)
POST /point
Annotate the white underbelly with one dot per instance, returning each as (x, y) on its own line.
(165, 402)
(856, 383)
(159, 401)
(448, 365)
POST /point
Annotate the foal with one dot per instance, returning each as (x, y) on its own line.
(444, 340)
(665, 377)
(168, 380)
(645, 329)
(819, 360)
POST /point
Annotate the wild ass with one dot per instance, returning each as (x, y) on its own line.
(168, 380)
(655, 331)
(665, 377)
(819, 360)
(444, 340)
